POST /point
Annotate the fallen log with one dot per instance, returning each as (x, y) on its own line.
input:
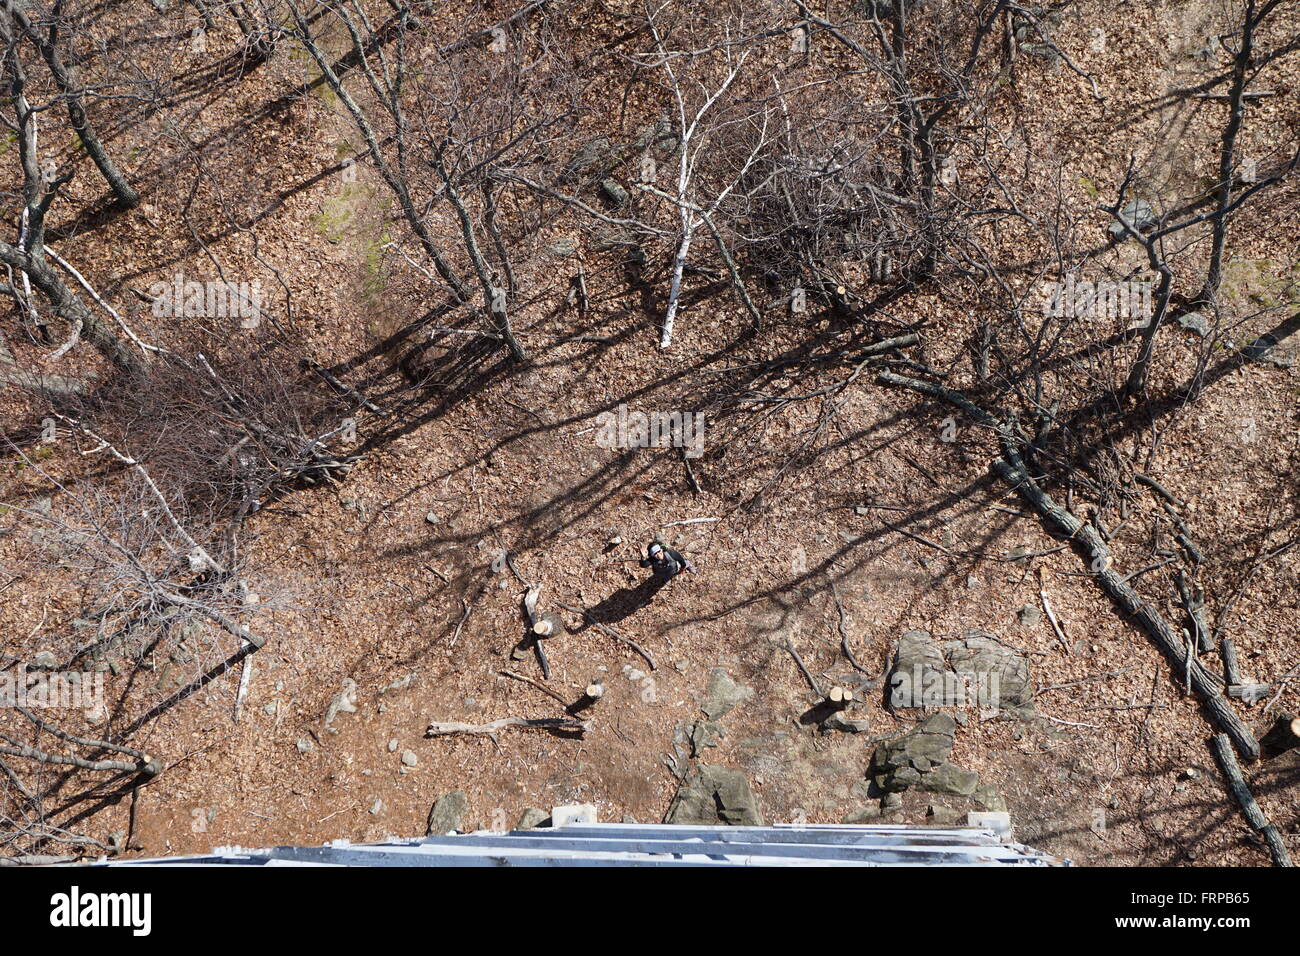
(1254, 815)
(1231, 668)
(1090, 545)
(1096, 552)
(1250, 693)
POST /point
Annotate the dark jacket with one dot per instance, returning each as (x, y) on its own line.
(667, 563)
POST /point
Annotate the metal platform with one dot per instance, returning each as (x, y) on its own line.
(618, 844)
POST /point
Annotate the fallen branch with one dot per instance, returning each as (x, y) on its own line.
(341, 387)
(1051, 614)
(674, 524)
(1193, 602)
(1160, 489)
(245, 680)
(70, 760)
(201, 556)
(542, 687)
(1184, 535)
(606, 629)
(812, 681)
(843, 627)
(1254, 815)
(81, 281)
(1071, 723)
(1281, 686)
(1084, 680)
(1253, 95)
(916, 537)
(455, 635)
(1061, 523)
(444, 728)
(885, 345)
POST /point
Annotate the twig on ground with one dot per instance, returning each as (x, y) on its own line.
(540, 686)
(812, 681)
(606, 629)
(1051, 614)
(440, 728)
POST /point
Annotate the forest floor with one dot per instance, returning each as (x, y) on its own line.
(393, 576)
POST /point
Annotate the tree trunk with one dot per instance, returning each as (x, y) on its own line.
(73, 92)
(69, 307)
(1237, 111)
(1137, 376)
(675, 290)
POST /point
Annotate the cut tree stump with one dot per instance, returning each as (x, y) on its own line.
(548, 624)
(590, 697)
(839, 697)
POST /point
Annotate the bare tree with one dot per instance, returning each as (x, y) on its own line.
(701, 82)
(28, 259)
(470, 134)
(1243, 70)
(71, 90)
(136, 512)
(1152, 241)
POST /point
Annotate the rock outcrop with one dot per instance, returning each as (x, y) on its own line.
(919, 760)
(712, 795)
(975, 671)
